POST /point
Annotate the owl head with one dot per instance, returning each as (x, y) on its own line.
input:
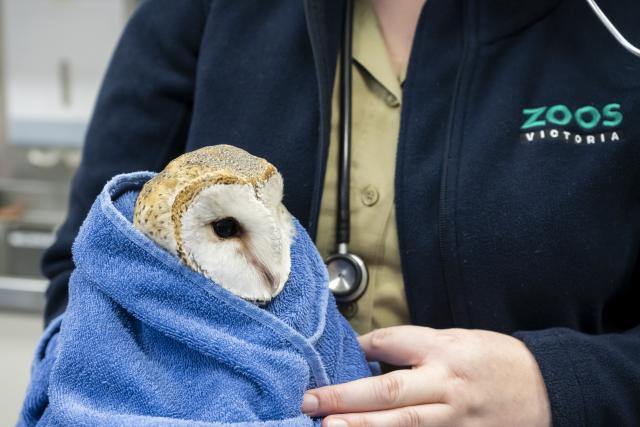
(219, 210)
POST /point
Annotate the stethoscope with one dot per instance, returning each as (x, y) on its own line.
(348, 275)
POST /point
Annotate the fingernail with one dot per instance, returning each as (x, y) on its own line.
(336, 422)
(309, 404)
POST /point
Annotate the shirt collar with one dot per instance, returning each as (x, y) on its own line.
(369, 49)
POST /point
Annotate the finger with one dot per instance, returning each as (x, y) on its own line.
(398, 345)
(393, 390)
(436, 415)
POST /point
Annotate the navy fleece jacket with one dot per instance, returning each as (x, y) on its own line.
(518, 178)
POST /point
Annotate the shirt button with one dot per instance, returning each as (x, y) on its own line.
(391, 100)
(348, 310)
(370, 196)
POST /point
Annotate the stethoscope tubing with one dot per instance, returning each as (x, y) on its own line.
(344, 174)
(613, 29)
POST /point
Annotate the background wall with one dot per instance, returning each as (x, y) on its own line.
(56, 52)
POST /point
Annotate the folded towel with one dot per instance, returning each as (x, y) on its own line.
(147, 341)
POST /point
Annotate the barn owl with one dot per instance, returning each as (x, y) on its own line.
(219, 210)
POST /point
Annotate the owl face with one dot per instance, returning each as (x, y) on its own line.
(219, 210)
(239, 235)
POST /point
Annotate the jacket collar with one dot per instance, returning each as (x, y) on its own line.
(503, 18)
(497, 19)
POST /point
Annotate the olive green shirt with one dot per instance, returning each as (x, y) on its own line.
(377, 96)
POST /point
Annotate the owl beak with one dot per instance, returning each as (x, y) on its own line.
(270, 280)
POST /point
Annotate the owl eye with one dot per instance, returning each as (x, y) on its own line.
(226, 227)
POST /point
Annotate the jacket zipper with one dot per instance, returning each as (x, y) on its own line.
(451, 270)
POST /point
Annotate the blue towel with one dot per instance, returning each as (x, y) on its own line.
(147, 341)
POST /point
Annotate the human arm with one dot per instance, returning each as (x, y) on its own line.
(140, 121)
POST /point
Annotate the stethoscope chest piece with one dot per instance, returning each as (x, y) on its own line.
(348, 276)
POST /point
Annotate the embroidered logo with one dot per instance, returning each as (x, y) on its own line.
(586, 125)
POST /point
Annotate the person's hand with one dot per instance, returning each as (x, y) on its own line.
(459, 378)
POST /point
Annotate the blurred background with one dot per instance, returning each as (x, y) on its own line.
(53, 54)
